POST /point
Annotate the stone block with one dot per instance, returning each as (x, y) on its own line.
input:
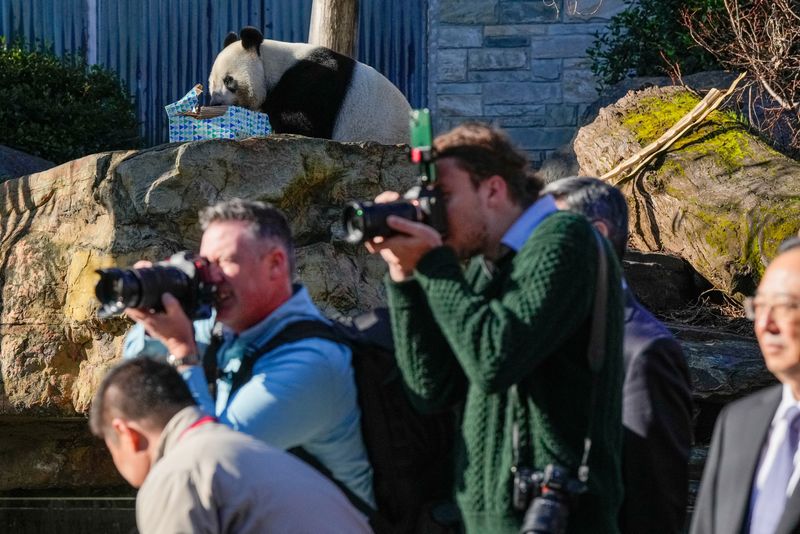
(497, 59)
(541, 138)
(523, 121)
(460, 105)
(451, 66)
(506, 41)
(576, 29)
(580, 85)
(522, 12)
(522, 93)
(578, 63)
(546, 70)
(515, 30)
(561, 46)
(562, 115)
(468, 12)
(515, 110)
(482, 76)
(458, 89)
(459, 37)
(444, 124)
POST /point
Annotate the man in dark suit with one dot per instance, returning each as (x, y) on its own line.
(656, 403)
(750, 479)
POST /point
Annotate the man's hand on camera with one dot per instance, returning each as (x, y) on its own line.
(402, 252)
(172, 327)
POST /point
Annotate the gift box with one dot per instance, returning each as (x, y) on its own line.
(190, 122)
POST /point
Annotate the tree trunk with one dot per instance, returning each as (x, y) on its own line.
(334, 24)
(720, 197)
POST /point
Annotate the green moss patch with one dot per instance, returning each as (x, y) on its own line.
(756, 235)
(315, 183)
(720, 135)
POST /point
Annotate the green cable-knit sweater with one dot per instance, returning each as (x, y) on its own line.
(463, 338)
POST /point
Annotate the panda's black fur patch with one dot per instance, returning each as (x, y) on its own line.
(251, 39)
(307, 98)
(230, 39)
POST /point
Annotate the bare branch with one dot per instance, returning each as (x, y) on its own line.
(761, 37)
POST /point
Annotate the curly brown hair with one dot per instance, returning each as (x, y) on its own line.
(484, 151)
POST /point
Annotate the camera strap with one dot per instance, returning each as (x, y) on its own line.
(597, 347)
(596, 353)
(210, 358)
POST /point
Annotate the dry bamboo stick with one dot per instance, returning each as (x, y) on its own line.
(631, 166)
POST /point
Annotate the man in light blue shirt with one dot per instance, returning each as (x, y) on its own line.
(301, 394)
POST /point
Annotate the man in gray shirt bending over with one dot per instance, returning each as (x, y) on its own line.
(196, 475)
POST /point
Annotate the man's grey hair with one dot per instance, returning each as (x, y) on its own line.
(598, 201)
(789, 244)
(265, 221)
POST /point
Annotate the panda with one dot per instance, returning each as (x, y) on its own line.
(308, 90)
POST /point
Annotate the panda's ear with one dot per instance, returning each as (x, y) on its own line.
(251, 39)
(230, 39)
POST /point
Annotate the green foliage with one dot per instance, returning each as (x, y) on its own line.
(60, 108)
(637, 37)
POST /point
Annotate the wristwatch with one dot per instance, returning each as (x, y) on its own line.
(178, 361)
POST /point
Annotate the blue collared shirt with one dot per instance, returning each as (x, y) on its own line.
(301, 394)
(519, 232)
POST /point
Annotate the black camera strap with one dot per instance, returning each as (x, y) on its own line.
(597, 348)
(596, 353)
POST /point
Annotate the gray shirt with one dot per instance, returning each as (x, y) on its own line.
(211, 479)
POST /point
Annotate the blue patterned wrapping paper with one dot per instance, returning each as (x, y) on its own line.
(236, 123)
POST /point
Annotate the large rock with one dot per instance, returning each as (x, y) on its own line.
(107, 209)
(723, 366)
(114, 208)
(14, 163)
(662, 282)
(720, 197)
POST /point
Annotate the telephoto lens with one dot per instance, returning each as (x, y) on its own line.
(183, 275)
(366, 220)
(139, 288)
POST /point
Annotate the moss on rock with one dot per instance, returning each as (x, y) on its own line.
(314, 183)
(720, 135)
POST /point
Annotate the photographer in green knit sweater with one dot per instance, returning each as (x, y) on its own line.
(505, 339)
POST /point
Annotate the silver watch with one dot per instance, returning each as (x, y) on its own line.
(178, 361)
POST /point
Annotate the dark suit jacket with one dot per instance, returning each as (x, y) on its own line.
(739, 435)
(657, 415)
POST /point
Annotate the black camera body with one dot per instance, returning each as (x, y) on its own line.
(545, 497)
(184, 275)
(422, 203)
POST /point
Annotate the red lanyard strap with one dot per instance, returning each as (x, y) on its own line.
(200, 422)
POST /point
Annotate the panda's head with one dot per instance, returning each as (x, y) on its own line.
(237, 77)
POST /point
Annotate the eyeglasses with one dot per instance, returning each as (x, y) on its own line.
(781, 310)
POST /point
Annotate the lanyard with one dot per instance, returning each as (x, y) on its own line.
(200, 422)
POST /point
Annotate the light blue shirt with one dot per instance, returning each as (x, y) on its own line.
(519, 232)
(301, 394)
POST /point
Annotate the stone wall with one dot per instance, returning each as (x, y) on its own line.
(519, 64)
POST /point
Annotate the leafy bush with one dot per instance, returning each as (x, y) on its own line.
(60, 108)
(637, 37)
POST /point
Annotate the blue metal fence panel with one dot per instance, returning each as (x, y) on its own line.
(161, 48)
(393, 39)
(60, 25)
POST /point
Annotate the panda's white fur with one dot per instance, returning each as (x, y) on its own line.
(372, 109)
